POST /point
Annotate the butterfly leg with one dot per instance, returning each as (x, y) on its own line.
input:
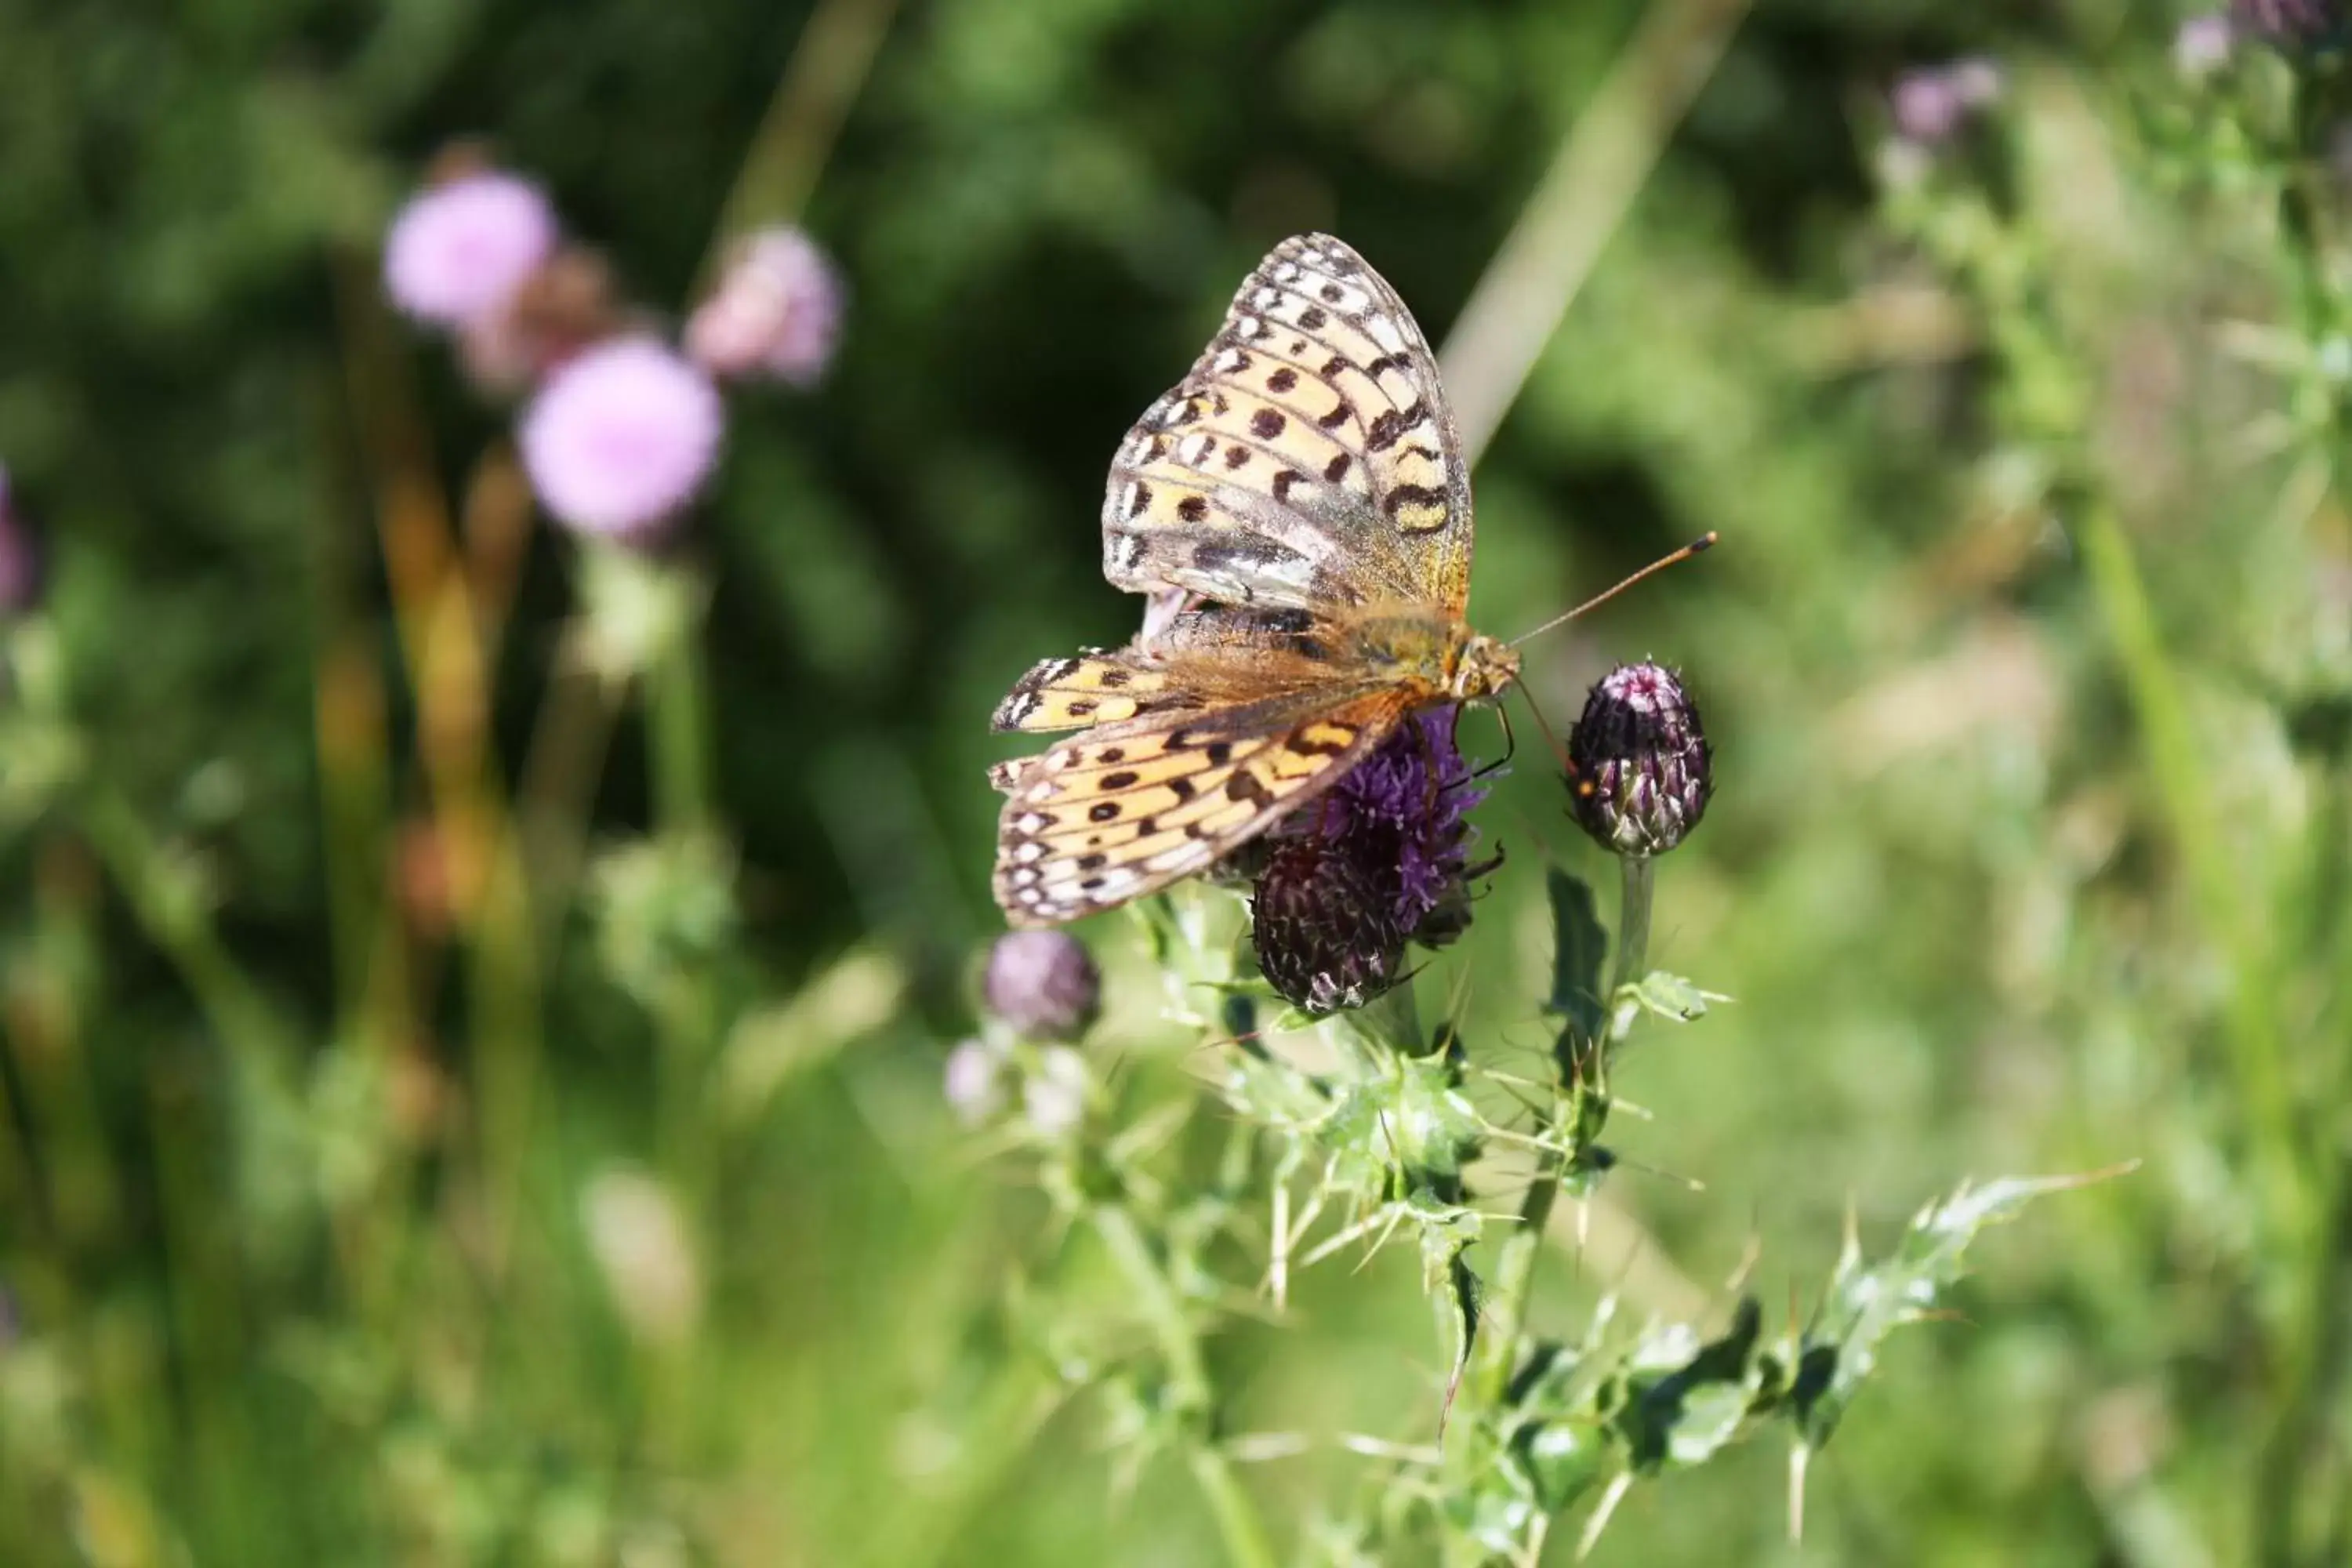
(1510, 747)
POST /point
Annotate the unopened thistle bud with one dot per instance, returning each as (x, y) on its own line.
(1638, 764)
(1043, 983)
(1324, 926)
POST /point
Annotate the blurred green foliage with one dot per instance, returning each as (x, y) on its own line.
(415, 926)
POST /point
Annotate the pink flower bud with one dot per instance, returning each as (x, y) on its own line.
(776, 312)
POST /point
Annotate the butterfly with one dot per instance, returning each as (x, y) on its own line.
(1298, 509)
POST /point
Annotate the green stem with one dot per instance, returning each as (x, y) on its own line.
(1188, 1379)
(172, 911)
(2221, 896)
(1515, 1266)
(1637, 881)
(827, 71)
(686, 1017)
(678, 718)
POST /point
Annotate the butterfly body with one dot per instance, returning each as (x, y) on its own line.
(1298, 510)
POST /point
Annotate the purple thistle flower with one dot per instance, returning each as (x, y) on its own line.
(562, 309)
(2203, 44)
(1382, 860)
(621, 437)
(1411, 796)
(458, 252)
(1930, 105)
(776, 312)
(20, 553)
(2289, 23)
(1042, 983)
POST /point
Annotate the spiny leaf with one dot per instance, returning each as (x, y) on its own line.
(1580, 947)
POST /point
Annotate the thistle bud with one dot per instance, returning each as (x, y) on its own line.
(1638, 764)
(1324, 926)
(1043, 983)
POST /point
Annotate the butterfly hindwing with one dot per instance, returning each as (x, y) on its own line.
(1098, 820)
(1308, 460)
(1094, 688)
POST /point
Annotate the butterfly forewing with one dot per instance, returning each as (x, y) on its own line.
(1309, 459)
(1095, 688)
(1094, 822)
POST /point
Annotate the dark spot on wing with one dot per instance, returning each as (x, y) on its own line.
(1282, 380)
(1192, 508)
(1389, 428)
(1312, 318)
(1336, 468)
(1123, 779)
(1102, 811)
(1408, 495)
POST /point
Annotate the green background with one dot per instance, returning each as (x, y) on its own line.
(2027, 658)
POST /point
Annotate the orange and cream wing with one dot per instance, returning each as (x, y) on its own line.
(1309, 459)
(1096, 687)
(1105, 817)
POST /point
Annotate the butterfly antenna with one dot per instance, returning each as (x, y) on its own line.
(1685, 553)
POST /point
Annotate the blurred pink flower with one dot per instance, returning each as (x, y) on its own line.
(458, 252)
(775, 311)
(621, 435)
(562, 308)
(20, 554)
(2203, 44)
(1933, 103)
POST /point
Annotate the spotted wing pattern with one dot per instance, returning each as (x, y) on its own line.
(1095, 688)
(1103, 818)
(1308, 460)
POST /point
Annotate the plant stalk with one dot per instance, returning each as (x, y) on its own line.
(1515, 1268)
(1163, 1315)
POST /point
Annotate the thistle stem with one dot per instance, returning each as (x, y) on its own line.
(1637, 878)
(1515, 1268)
(1188, 1378)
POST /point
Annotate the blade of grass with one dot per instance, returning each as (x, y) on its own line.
(1582, 198)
